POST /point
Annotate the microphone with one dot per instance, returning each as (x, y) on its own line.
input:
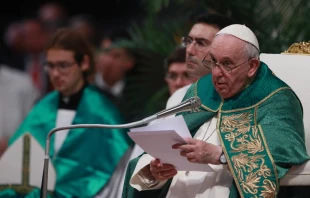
(189, 105)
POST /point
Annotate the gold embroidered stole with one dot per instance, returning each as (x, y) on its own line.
(247, 154)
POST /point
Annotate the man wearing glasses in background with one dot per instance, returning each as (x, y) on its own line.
(197, 45)
(84, 159)
(176, 71)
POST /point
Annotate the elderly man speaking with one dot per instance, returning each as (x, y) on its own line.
(249, 129)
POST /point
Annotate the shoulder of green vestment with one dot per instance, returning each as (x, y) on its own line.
(264, 86)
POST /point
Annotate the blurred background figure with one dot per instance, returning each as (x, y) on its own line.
(53, 16)
(17, 97)
(25, 41)
(13, 48)
(113, 63)
(86, 25)
(14, 37)
(176, 70)
(75, 154)
(35, 38)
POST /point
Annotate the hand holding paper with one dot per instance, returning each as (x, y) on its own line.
(157, 141)
(198, 151)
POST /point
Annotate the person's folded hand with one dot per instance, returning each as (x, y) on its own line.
(162, 172)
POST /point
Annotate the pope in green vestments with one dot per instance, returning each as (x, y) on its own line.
(88, 157)
(260, 129)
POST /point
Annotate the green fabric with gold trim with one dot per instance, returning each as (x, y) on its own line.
(88, 157)
(261, 130)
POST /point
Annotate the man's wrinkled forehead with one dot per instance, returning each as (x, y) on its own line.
(224, 43)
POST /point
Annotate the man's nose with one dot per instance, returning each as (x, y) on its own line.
(216, 71)
(109, 60)
(179, 82)
(54, 72)
(191, 48)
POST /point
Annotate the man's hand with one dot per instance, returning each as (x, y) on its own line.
(198, 151)
(160, 171)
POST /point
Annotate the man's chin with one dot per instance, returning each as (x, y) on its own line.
(221, 91)
(191, 71)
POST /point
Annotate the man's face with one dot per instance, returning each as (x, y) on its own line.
(34, 37)
(202, 36)
(229, 50)
(114, 64)
(177, 77)
(64, 72)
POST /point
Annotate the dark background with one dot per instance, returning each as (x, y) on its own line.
(105, 12)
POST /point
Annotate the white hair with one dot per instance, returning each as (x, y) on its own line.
(251, 51)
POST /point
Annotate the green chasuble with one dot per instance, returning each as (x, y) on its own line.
(261, 131)
(88, 157)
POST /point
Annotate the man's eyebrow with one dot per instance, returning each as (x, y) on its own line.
(198, 38)
(206, 41)
(226, 58)
(202, 39)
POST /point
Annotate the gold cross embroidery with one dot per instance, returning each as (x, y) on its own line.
(23, 188)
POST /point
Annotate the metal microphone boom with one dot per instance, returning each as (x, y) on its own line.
(191, 104)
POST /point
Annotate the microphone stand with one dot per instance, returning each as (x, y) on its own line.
(191, 104)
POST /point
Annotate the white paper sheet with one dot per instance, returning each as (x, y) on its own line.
(157, 140)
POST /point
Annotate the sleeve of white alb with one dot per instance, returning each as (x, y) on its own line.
(141, 178)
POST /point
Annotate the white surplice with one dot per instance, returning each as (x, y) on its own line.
(18, 95)
(64, 118)
(191, 184)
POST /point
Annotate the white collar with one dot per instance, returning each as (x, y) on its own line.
(116, 89)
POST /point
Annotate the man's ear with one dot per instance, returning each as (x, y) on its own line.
(85, 65)
(254, 64)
